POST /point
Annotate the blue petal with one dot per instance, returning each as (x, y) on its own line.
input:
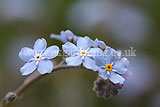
(26, 54)
(111, 55)
(28, 68)
(69, 48)
(51, 52)
(125, 60)
(65, 36)
(45, 66)
(100, 61)
(83, 43)
(116, 78)
(67, 33)
(91, 42)
(103, 73)
(74, 60)
(89, 63)
(95, 52)
(120, 67)
(40, 45)
(59, 37)
(100, 43)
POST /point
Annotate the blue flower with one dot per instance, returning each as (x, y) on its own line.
(82, 53)
(100, 44)
(111, 66)
(38, 58)
(65, 36)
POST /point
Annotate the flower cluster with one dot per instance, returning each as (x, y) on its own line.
(94, 55)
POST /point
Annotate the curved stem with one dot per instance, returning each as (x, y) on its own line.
(11, 96)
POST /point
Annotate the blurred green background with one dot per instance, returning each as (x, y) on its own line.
(120, 23)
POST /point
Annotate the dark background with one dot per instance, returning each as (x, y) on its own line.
(120, 23)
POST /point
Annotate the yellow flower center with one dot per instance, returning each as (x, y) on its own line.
(83, 53)
(109, 67)
(38, 57)
(101, 47)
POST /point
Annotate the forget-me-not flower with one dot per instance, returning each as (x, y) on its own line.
(82, 53)
(111, 66)
(38, 58)
(65, 36)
